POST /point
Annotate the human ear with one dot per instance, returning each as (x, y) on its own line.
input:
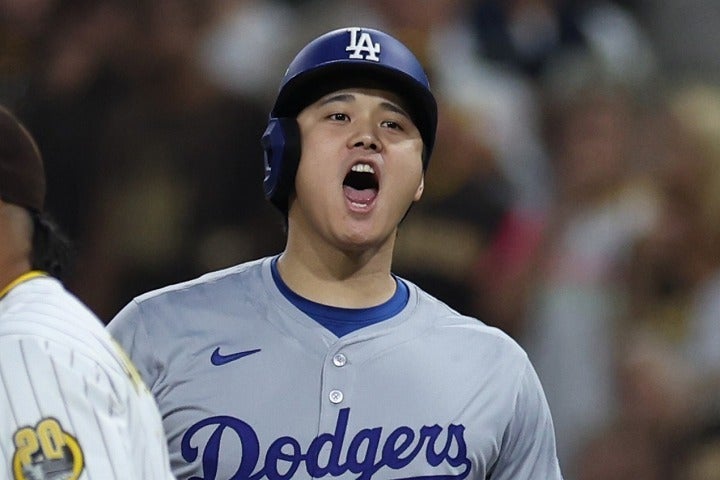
(420, 189)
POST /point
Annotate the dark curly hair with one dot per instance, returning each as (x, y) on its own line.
(51, 248)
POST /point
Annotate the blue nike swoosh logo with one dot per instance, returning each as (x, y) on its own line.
(219, 359)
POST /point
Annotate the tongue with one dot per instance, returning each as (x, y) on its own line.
(364, 196)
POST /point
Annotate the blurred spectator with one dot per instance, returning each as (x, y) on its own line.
(503, 273)
(531, 36)
(657, 391)
(156, 171)
(234, 51)
(601, 206)
(536, 49)
(527, 34)
(698, 108)
(80, 78)
(674, 273)
(664, 350)
(180, 189)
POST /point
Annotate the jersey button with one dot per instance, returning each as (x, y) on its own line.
(339, 360)
(336, 396)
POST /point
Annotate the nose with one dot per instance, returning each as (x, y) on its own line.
(366, 138)
(366, 142)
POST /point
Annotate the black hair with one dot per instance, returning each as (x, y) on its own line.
(51, 248)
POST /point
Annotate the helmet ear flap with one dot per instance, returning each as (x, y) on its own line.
(281, 146)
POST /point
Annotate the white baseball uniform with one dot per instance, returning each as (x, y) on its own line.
(250, 387)
(72, 406)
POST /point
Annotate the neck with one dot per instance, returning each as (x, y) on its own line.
(350, 279)
(11, 270)
(15, 243)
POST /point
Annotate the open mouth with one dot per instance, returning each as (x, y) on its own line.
(361, 185)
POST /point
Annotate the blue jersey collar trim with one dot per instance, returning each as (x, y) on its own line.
(339, 320)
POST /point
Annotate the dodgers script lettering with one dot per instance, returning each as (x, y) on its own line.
(366, 455)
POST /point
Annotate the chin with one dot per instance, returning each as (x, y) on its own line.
(362, 240)
(357, 242)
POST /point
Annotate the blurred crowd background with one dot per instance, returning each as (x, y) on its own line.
(573, 198)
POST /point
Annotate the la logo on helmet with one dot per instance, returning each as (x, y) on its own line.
(362, 44)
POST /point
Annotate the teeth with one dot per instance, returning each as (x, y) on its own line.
(362, 168)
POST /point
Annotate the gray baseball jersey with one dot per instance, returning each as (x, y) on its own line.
(249, 387)
(71, 404)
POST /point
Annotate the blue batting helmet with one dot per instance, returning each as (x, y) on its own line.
(341, 58)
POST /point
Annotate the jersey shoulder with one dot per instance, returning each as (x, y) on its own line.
(49, 320)
(445, 321)
(180, 308)
(42, 307)
(235, 280)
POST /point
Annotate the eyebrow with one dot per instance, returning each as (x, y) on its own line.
(348, 97)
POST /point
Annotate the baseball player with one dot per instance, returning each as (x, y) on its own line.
(72, 406)
(319, 362)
